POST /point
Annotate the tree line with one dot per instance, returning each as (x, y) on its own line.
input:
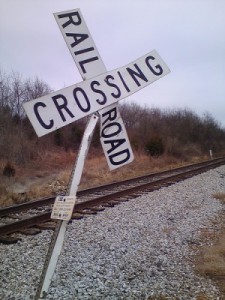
(175, 132)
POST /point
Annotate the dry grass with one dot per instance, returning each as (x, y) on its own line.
(96, 171)
(214, 259)
(211, 262)
(5, 195)
(160, 297)
(220, 196)
(200, 296)
(6, 199)
(51, 171)
(211, 259)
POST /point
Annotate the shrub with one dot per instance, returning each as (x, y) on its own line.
(9, 170)
(155, 146)
(58, 140)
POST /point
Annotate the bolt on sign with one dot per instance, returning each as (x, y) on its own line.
(98, 96)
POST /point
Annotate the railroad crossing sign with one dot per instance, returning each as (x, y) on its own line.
(60, 108)
(90, 64)
(98, 95)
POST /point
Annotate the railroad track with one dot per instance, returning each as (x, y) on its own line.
(94, 200)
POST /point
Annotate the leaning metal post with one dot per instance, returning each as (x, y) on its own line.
(56, 244)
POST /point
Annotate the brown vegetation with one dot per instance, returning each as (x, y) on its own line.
(160, 139)
(51, 174)
(211, 259)
(220, 196)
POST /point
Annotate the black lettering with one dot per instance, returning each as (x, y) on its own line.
(83, 62)
(71, 20)
(114, 144)
(124, 83)
(118, 154)
(104, 99)
(118, 129)
(78, 38)
(139, 74)
(157, 67)
(85, 97)
(40, 120)
(112, 115)
(78, 52)
(62, 106)
(113, 85)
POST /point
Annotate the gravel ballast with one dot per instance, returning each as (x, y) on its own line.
(134, 250)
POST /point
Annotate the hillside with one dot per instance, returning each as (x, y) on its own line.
(160, 139)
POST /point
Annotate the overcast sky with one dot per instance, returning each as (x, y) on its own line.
(189, 35)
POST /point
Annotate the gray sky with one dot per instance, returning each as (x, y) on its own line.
(189, 35)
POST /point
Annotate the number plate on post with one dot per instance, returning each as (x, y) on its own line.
(63, 207)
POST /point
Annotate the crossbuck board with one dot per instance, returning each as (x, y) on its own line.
(95, 94)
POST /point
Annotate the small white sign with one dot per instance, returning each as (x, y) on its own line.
(67, 105)
(63, 208)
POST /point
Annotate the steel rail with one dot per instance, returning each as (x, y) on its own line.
(50, 200)
(111, 199)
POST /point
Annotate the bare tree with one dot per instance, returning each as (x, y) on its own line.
(14, 90)
(5, 90)
(35, 88)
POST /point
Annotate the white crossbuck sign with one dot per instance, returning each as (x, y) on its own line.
(97, 95)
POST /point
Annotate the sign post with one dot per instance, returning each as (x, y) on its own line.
(97, 96)
(56, 244)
